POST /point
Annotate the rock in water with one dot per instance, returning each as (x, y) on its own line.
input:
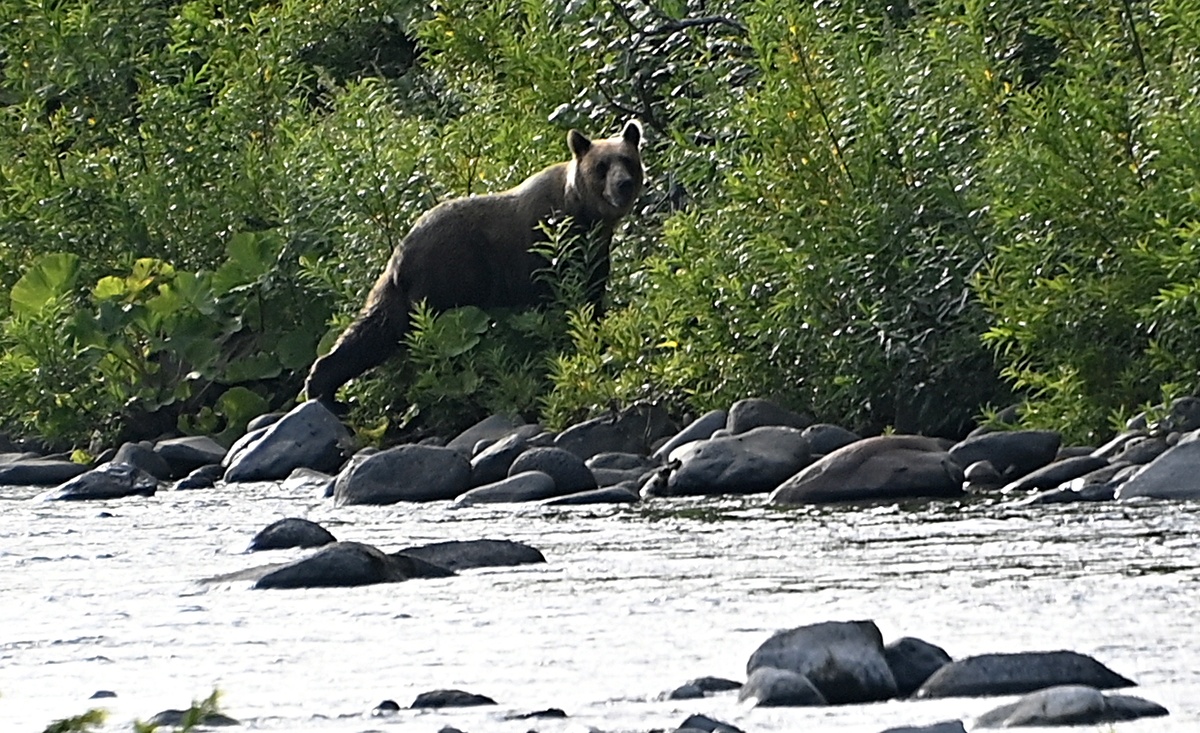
(886, 467)
(1014, 674)
(291, 532)
(310, 436)
(109, 481)
(844, 660)
(1069, 705)
(403, 473)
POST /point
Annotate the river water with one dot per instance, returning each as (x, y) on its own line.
(632, 602)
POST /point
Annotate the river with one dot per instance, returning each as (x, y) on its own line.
(633, 601)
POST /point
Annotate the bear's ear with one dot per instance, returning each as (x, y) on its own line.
(579, 143)
(633, 133)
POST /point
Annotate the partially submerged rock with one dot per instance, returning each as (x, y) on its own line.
(186, 454)
(629, 431)
(752, 462)
(291, 532)
(1014, 453)
(1056, 473)
(108, 481)
(309, 436)
(466, 554)
(1173, 475)
(844, 660)
(771, 687)
(404, 473)
(701, 687)
(570, 473)
(886, 467)
(701, 428)
(1014, 674)
(450, 699)
(913, 661)
(619, 494)
(347, 564)
(1069, 705)
(25, 471)
(522, 487)
(946, 726)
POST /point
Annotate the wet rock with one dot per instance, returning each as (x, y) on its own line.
(613, 476)
(404, 473)
(1175, 475)
(1141, 451)
(983, 473)
(752, 462)
(310, 482)
(494, 427)
(38, 472)
(1069, 705)
(348, 564)
(706, 725)
(751, 413)
(1058, 472)
(568, 470)
(184, 455)
(291, 532)
(701, 428)
(844, 660)
(824, 438)
(450, 699)
(702, 686)
(204, 477)
(493, 463)
(1013, 453)
(309, 436)
(620, 462)
(630, 431)
(520, 487)
(947, 726)
(913, 661)
(109, 481)
(619, 494)
(771, 687)
(1110, 449)
(178, 718)
(1014, 674)
(467, 554)
(142, 455)
(883, 467)
(385, 709)
(102, 695)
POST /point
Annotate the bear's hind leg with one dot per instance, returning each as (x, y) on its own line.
(368, 342)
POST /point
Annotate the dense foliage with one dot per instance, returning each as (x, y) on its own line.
(887, 214)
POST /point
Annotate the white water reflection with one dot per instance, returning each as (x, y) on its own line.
(633, 602)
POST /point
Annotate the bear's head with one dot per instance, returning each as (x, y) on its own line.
(606, 175)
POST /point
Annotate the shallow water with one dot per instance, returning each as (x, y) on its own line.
(632, 602)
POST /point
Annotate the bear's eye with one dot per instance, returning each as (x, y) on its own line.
(602, 169)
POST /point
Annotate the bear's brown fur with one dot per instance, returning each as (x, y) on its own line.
(476, 251)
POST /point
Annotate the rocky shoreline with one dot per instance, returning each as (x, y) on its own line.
(754, 448)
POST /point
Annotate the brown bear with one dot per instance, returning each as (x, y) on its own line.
(476, 251)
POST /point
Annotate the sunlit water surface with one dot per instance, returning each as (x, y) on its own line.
(632, 602)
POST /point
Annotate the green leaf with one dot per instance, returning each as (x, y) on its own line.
(49, 278)
(250, 255)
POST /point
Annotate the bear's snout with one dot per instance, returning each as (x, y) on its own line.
(622, 190)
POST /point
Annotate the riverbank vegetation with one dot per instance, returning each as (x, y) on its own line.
(890, 215)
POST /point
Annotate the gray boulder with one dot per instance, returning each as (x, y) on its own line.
(450, 699)
(620, 462)
(143, 456)
(107, 481)
(493, 427)
(308, 481)
(1053, 474)
(520, 487)
(771, 687)
(1069, 705)
(614, 476)
(619, 494)
(882, 468)
(568, 470)
(467, 554)
(1174, 475)
(913, 661)
(1013, 453)
(310, 436)
(403, 473)
(705, 724)
(1014, 674)
(24, 471)
(347, 564)
(752, 462)
(492, 463)
(291, 532)
(702, 687)
(204, 477)
(844, 660)
(701, 428)
(825, 438)
(754, 412)
(184, 455)
(630, 431)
